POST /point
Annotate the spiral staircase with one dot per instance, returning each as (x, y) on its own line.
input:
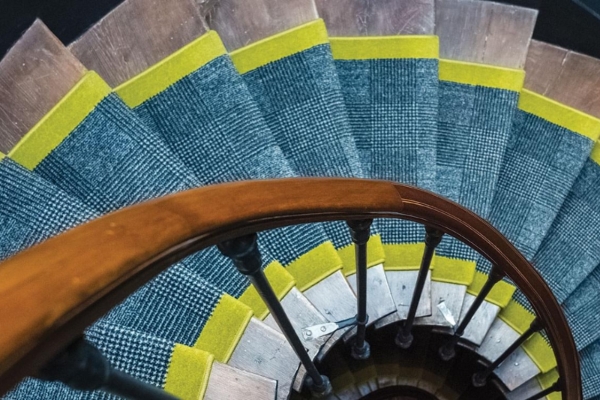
(223, 200)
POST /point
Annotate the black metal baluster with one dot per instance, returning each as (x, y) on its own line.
(433, 237)
(480, 378)
(448, 351)
(247, 259)
(556, 387)
(82, 367)
(360, 232)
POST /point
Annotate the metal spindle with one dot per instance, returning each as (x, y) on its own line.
(480, 378)
(433, 237)
(448, 351)
(83, 367)
(247, 259)
(556, 387)
(360, 232)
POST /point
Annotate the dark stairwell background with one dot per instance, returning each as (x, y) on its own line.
(560, 22)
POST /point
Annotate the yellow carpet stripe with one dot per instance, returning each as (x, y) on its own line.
(500, 294)
(315, 265)
(375, 255)
(516, 316)
(64, 117)
(188, 372)
(404, 256)
(559, 114)
(279, 46)
(385, 47)
(281, 281)
(224, 328)
(171, 69)
(540, 352)
(2, 155)
(453, 270)
(595, 156)
(547, 380)
(481, 75)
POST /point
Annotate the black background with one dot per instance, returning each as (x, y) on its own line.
(560, 22)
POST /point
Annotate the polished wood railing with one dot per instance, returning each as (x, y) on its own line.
(53, 291)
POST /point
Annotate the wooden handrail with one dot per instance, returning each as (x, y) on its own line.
(53, 291)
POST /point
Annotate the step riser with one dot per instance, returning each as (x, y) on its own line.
(517, 369)
(402, 285)
(301, 314)
(380, 302)
(452, 296)
(265, 352)
(229, 383)
(481, 321)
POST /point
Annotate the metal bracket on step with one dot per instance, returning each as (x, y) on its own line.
(446, 313)
(317, 331)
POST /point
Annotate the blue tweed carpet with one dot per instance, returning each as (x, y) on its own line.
(569, 252)
(143, 356)
(590, 370)
(569, 260)
(32, 209)
(301, 100)
(112, 160)
(474, 124)
(392, 107)
(209, 119)
(175, 305)
(540, 165)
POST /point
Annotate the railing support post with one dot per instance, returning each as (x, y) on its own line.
(480, 378)
(360, 231)
(448, 351)
(82, 367)
(245, 255)
(433, 237)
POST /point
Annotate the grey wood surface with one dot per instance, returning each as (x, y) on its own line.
(499, 338)
(517, 369)
(302, 314)
(228, 383)
(452, 296)
(565, 76)
(402, 285)
(484, 32)
(136, 35)
(379, 297)
(34, 75)
(242, 22)
(526, 390)
(266, 352)
(377, 18)
(481, 321)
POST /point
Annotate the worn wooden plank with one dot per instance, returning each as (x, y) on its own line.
(242, 22)
(34, 75)
(484, 32)
(230, 383)
(377, 18)
(565, 76)
(136, 35)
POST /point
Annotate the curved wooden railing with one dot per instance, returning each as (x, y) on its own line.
(53, 291)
